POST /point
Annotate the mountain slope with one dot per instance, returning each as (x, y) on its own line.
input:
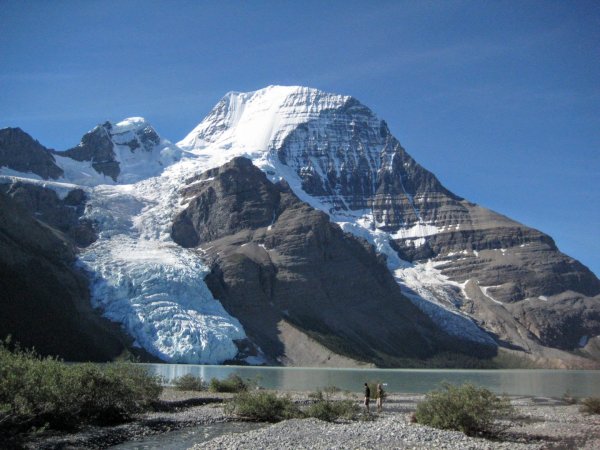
(19, 152)
(275, 259)
(340, 158)
(475, 274)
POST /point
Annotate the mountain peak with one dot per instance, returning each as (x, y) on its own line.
(258, 120)
(126, 151)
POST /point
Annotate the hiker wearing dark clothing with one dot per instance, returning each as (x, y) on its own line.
(367, 396)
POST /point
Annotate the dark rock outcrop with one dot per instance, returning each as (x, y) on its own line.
(274, 258)
(64, 215)
(44, 299)
(20, 152)
(97, 147)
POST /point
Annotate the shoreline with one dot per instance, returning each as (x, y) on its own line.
(540, 423)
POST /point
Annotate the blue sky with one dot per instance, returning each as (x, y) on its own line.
(501, 100)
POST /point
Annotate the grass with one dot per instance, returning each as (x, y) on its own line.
(467, 408)
(37, 393)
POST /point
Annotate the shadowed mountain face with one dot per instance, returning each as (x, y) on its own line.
(44, 299)
(274, 259)
(20, 152)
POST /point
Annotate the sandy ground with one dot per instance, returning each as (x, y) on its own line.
(541, 423)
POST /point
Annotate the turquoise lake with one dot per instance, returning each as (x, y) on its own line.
(544, 383)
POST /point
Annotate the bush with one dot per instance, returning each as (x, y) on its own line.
(465, 408)
(263, 406)
(233, 383)
(327, 409)
(590, 405)
(189, 382)
(38, 392)
(330, 410)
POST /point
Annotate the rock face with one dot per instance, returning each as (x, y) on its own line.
(45, 300)
(349, 160)
(64, 214)
(97, 147)
(275, 259)
(338, 156)
(127, 151)
(20, 152)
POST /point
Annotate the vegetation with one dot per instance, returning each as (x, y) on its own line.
(466, 408)
(189, 382)
(263, 406)
(590, 405)
(268, 407)
(329, 410)
(233, 383)
(38, 393)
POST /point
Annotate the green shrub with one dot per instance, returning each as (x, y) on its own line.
(327, 409)
(590, 405)
(233, 383)
(465, 408)
(262, 406)
(331, 410)
(189, 382)
(38, 392)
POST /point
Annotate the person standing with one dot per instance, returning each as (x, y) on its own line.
(367, 396)
(379, 397)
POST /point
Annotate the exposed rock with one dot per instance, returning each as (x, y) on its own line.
(45, 205)
(347, 158)
(275, 259)
(97, 147)
(20, 152)
(45, 300)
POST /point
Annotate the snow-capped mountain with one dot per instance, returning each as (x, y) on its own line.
(123, 152)
(480, 277)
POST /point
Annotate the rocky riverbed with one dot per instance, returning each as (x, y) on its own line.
(541, 423)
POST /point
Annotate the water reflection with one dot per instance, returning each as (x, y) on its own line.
(548, 383)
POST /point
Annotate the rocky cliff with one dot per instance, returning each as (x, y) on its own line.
(21, 153)
(275, 259)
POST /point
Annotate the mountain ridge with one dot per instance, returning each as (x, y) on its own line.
(455, 260)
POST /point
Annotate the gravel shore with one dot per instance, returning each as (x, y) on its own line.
(541, 423)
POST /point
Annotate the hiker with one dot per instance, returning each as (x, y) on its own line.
(379, 397)
(367, 396)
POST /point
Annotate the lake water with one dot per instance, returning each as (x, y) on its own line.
(543, 383)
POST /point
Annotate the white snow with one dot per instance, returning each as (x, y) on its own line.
(147, 160)
(485, 289)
